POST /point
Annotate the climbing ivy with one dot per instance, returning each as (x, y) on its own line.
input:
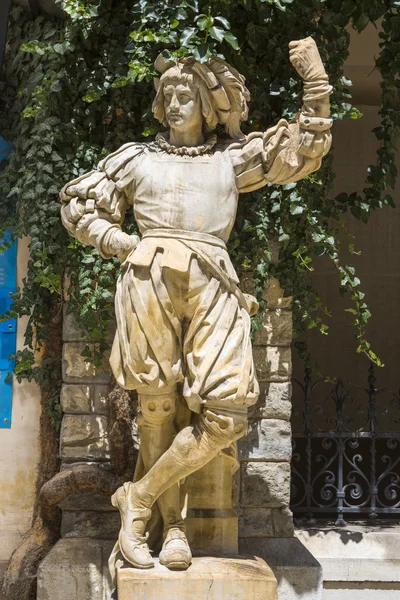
(74, 89)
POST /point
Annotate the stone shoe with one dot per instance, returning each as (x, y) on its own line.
(133, 546)
(175, 553)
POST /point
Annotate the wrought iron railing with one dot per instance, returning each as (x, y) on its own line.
(346, 451)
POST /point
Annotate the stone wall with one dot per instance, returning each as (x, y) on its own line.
(262, 485)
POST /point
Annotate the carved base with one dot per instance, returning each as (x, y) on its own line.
(208, 578)
(211, 522)
(212, 531)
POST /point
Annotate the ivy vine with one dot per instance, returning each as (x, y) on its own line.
(75, 89)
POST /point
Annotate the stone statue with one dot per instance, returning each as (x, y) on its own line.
(183, 325)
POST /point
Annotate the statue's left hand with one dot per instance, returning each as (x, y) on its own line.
(305, 58)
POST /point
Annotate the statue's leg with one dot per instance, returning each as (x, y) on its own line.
(157, 432)
(192, 448)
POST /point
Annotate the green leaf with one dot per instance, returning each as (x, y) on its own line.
(187, 35)
(205, 22)
(231, 39)
(362, 22)
(223, 21)
(296, 209)
(217, 33)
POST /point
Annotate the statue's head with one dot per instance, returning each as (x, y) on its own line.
(189, 92)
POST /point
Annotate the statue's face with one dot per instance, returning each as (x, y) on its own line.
(182, 105)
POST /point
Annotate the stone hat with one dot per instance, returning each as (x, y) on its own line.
(225, 84)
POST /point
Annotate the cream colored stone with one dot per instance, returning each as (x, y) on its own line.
(276, 329)
(274, 401)
(84, 437)
(282, 519)
(265, 484)
(274, 295)
(77, 370)
(273, 363)
(75, 569)
(255, 522)
(211, 522)
(206, 579)
(184, 190)
(76, 399)
(71, 332)
(84, 399)
(267, 439)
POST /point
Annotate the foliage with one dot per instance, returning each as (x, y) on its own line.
(75, 89)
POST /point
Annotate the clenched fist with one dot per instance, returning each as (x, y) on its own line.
(305, 58)
(121, 244)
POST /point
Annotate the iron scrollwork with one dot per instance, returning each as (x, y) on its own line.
(346, 451)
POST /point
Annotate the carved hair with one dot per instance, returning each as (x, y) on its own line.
(222, 90)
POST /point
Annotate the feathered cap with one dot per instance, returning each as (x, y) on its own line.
(220, 85)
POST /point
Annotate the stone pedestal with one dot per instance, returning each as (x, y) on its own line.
(208, 578)
(212, 524)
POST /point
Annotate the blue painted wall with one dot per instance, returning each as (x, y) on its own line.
(8, 329)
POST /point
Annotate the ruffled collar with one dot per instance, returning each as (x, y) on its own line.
(162, 140)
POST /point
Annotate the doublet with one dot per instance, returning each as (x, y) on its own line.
(180, 314)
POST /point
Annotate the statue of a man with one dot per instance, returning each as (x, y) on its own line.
(183, 325)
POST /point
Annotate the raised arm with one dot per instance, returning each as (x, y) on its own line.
(293, 150)
(288, 152)
(94, 205)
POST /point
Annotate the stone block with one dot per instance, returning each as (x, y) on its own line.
(71, 332)
(75, 569)
(361, 591)
(298, 573)
(212, 531)
(84, 501)
(90, 523)
(84, 437)
(71, 464)
(3, 567)
(274, 401)
(77, 370)
(84, 398)
(282, 519)
(76, 399)
(355, 552)
(265, 484)
(100, 399)
(273, 363)
(276, 329)
(236, 488)
(274, 295)
(206, 579)
(255, 522)
(268, 439)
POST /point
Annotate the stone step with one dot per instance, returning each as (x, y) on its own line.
(208, 578)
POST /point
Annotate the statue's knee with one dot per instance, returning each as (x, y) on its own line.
(225, 428)
(157, 411)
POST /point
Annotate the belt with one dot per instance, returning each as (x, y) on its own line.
(183, 234)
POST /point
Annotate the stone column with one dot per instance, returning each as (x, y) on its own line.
(263, 486)
(84, 436)
(263, 492)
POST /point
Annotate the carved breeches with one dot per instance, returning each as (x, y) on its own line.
(175, 326)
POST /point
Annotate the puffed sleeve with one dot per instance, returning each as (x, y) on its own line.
(93, 205)
(288, 151)
(283, 154)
